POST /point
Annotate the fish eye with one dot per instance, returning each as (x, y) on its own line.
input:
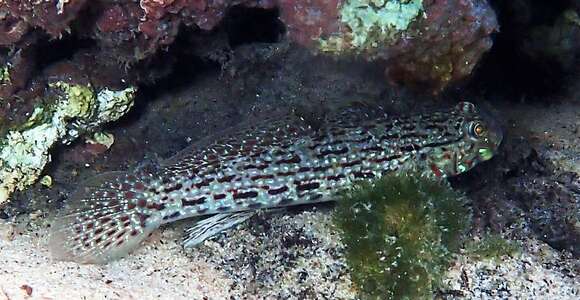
(477, 129)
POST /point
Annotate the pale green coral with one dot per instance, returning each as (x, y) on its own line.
(80, 99)
(24, 151)
(114, 104)
(372, 23)
(102, 138)
(46, 181)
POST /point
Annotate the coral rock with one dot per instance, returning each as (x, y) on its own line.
(77, 109)
(53, 16)
(421, 43)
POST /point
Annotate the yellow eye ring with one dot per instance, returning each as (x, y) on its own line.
(478, 129)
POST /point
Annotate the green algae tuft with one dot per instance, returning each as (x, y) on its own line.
(491, 247)
(5, 75)
(400, 234)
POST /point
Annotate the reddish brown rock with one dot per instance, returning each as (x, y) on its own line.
(441, 45)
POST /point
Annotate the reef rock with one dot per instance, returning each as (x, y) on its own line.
(422, 43)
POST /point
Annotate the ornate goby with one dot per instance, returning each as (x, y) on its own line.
(281, 163)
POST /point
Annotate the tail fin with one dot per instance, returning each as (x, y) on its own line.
(102, 221)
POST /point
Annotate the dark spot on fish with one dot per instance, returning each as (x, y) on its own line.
(387, 158)
(219, 196)
(197, 201)
(350, 164)
(205, 182)
(226, 179)
(363, 175)
(410, 147)
(156, 206)
(262, 167)
(321, 169)
(118, 236)
(277, 191)
(279, 153)
(363, 140)
(307, 186)
(342, 150)
(282, 174)
(256, 177)
(335, 177)
(142, 203)
(295, 159)
(174, 188)
(104, 220)
(245, 195)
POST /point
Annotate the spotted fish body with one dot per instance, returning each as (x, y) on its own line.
(282, 163)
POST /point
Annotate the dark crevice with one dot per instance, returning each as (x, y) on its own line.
(195, 54)
(246, 25)
(511, 70)
(52, 51)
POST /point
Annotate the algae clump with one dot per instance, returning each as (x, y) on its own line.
(491, 247)
(5, 75)
(400, 233)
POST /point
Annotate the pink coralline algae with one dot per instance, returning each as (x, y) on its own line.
(450, 41)
(53, 16)
(441, 43)
(135, 30)
(309, 20)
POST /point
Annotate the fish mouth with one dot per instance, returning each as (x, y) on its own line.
(496, 132)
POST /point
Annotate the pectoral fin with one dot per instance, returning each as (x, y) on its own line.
(208, 227)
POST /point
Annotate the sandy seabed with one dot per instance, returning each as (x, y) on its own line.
(245, 263)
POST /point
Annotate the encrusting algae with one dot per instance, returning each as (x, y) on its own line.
(284, 162)
(371, 24)
(72, 110)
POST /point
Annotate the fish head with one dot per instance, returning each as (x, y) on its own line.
(477, 139)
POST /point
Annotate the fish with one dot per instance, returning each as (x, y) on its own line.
(283, 162)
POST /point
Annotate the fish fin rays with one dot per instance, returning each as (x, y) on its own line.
(97, 225)
(209, 227)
